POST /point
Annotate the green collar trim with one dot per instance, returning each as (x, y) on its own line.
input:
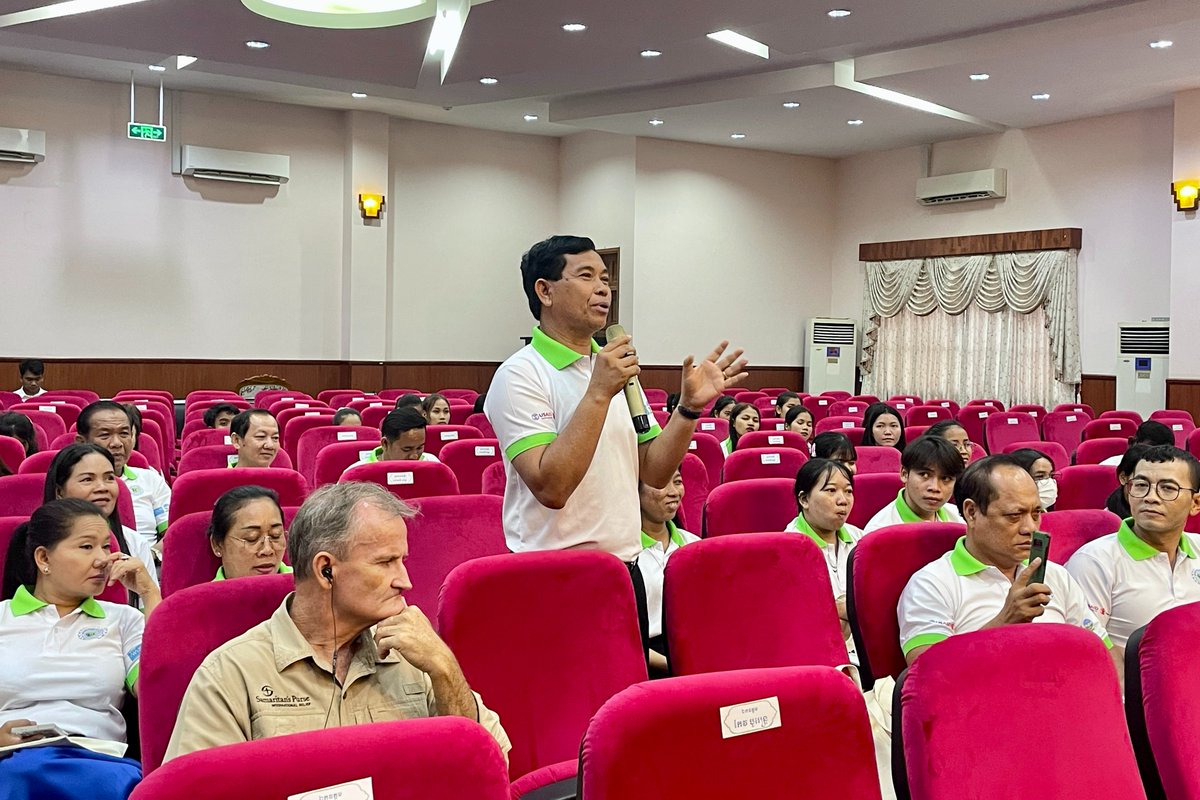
(802, 525)
(24, 602)
(908, 515)
(284, 569)
(128, 474)
(673, 532)
(376, 455)
(963, 562)
(557, 354)
(1138, 550)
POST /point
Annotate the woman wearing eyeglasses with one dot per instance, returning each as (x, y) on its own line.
(247, 533)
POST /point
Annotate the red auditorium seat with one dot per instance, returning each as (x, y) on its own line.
(1132, 416)
(468, 459)
(848, 408)
(220, 456)
(711, 631)
(78, 397)
(1193, 443)
(865, 398)
(1034, 410)
(750, 506)
(909, 400)
(981, 401)
(1093, 451)
(879, 569)
(570, 611)
(1085, 486)
(199, 490)
(460, 414)
(708, 449)
(9, 399)
(944, 403)
(772, 439)
(652, 395)
(837, 394)
(372, 416)
(292, 428)
(774, 391)
(926, 415)
(21, 494)
(438, 436)
(772, 423)
(50, 422)
(326, 395)
(1052, 450)
(674, 720)
(479, 421)
(305, 404)
(467, 395)
(1065, 427)
(266, 397)
(200, 406)
(877, 459)
(1076, 408)
(1181, 427)
(205, 437)
(819, 406)
(745, 396)
(287, 415)
(205, 394)
(1172, 413)
(342, 399)
(763, 462)
(765, 406)
(335, 458)
(12, 452)
(970, 677)
(696, 488)
(65, 411)
(973, 420)
(406, 479)
(187, 557)
(914, 432)
(392, 395)
(713, 426)
(837, 423)
(871, 493)
(1004, 427)
(1071, 529)
(362, 404)
(446, 532)
(1110, 428)
(494, 479)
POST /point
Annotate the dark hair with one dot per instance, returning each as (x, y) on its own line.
(1153, 432)
(228, 504)
(212, 412)
(135, 420)
(975, 483)
(1027, 457)
(479, 401)
(406, 400)
(782, 398)
(31, 365)
(874, 412)
(59, 472)
(430, 399)
(722, 401)
(240, 424)
(1129, 461)
(83, 425)
(339, 417)
(1164, 454)
(794, 412)
(545, 260)
(817, 471)
(737, 409)
(49, 524)
(834, 446)
(19, 427)
(401, 421)
(672, 401)
(932, 452)
(938, 429)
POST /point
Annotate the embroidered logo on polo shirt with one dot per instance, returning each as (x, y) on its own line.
(1196, 575)
(135, 652)
(268, 697)
(135, 489)
(1088, 624)
(541, 415)
(92, 633)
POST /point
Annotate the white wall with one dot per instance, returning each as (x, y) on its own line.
(1109, 176)
(116, 257)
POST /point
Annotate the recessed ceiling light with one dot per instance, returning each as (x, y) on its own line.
(157, 68)
(737, 136)
(854, 122)
(838, 13)
(656, 122)
(255, 44)
(651, 53)
(1161, 44)
(979, 76)
(743, 43)
(1040, 96)
(489, 81)
(358, 95)
(791, 104)
(531, 117)
(574, 27)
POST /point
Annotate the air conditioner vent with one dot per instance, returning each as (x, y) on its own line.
(1151, 340)
(835, 333)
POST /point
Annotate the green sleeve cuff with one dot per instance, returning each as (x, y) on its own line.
(649, 435)
(528, 443)
(131, 678)
(161, 527)
(1107, 642)
(922, 640)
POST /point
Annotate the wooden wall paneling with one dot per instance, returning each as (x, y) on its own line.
(980, 244)
(1184, 394)
(667, 378)
(1099, 392)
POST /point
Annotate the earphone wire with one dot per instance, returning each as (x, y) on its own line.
(337, 686)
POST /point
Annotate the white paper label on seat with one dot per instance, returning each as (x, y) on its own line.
(774, 440)
(822, 402)
(847, 424)
(228, 440)
(311, 414)
(399, 478)
(141, 407)
(485, 450)
(1114, 426)
(346, 436)
(449, 436)
(376, 405)
(1012, 421)
(944, 405)
(854, 409)
(692, 444)
(752, 717)
(364, 454)
(1071, 418)
(360, 789)
(302, 405)
(770, 458)
(708, 426)
(931, 414)
(983, 414)
(52, 409)
(231, 459)
(1176, 427)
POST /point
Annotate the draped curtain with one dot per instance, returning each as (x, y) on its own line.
(1003, 326)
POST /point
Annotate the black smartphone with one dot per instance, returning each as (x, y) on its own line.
(1039, 548)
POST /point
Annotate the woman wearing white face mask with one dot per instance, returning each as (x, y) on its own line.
(1041, 469)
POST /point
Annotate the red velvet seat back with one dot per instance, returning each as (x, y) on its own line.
(293, 423)
(760, 504)
(479, 421)
(9, 399)
(714, 426)
(1075, 408)
(1132, 416)
(545, 638)
(467, 395)
(848, 408)
(181, 632)
(363, 403)
(819, 406)
(1034, 410)
(715, 631)
(468, 459)
(874, 459)
(1052, 450)
(772, 439)
(218, 456)
(395, 394)
(1181, 428)
(1004, 427)
(312, 442)
(708, 449)
(837, 394)
(12, 452)
(763, 462)
(975, 679)
(972, 419)
(945, 403)
(1110, 428)
(696, 489)
(909, 400)
(65, 410)
(881, 565)
(1093, 451)
(494, 479)
(187, 556)
(199, 490)
(837, 423)
(1085, 486)
(79, 397)
(438, 436)
(821, 749)
(48, 421)
(1073, 528)
(872, 492)
(406, 479)
(21, 494)
(927, 415)
(205, 437)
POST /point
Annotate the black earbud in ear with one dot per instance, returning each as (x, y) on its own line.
(327, 572)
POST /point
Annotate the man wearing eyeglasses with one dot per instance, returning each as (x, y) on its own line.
(1149, 564)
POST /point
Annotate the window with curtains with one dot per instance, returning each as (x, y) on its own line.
(1002, 325)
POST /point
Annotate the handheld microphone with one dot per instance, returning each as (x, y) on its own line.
(633, 389)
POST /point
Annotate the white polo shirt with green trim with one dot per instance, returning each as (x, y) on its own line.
(532, 397)
(898, 513)
(376, 455)
(1127, 582)
(151, 501)
(652, 562)
(284, 569)
(959, 594)
(836, 555)
(70, 671)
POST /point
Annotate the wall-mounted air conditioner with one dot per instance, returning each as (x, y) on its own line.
(832, 348)
(22, 145)
(1143, 351)
(234, 165)
(984, 184)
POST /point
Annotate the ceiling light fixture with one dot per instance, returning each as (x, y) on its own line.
(574, 27)
(656, 122)
(737, 136)
(1161, 44)
(157, 68)
(344, 14)
(358, 95)
(489, 81)
(531, 117)
(256, 44)
(979, 76)
(743, 43)
(1040, 96)
(838, 13)
(63, 9)
(791, 104)
(854, 122)
(651, 53)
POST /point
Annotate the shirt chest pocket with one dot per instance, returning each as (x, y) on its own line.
(279, 723)
(409, 704)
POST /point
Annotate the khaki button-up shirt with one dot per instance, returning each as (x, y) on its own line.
(267, 682)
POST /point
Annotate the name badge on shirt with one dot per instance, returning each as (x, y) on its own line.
(360, 789)
(753, 717)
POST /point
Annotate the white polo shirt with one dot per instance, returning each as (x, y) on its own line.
(836, 555)
(20, 392)
(1127, 582)
(653, 564)
(70, 671)
(151, 501)
(140, 548)
(898, 513)
(376, 455)
(959, 594)
(532, 398)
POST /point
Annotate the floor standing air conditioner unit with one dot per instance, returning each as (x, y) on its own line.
(1142, 356)
(832, 348)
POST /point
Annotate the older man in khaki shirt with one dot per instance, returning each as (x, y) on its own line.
(344, 649)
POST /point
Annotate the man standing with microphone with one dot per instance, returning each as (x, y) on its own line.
(572, 457)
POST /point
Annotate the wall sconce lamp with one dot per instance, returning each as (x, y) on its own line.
(371, 205)
(1186, 194)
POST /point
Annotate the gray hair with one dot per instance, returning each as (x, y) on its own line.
(325, 520)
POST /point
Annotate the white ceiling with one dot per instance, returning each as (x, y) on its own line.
(1092, 57)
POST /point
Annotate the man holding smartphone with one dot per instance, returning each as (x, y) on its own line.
(986, 580)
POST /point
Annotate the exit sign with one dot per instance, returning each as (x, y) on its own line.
(140, 130)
